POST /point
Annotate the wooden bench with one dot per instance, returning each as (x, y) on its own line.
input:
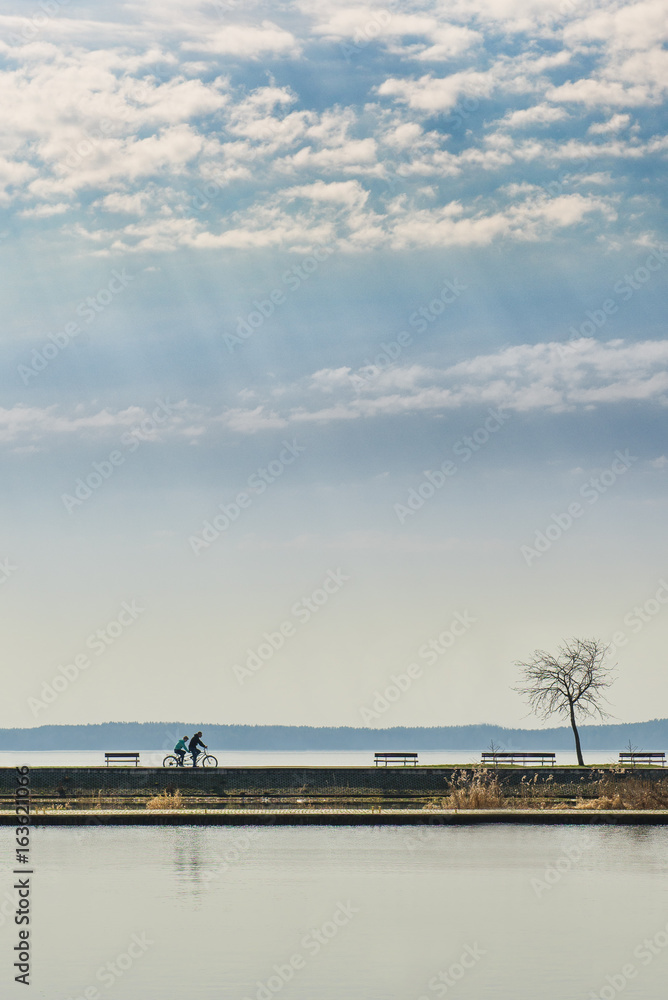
(641, 756)
(518, 757)
(121, 758)
(395, 758)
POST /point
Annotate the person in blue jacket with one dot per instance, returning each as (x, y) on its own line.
(193, 745)
(180, 750)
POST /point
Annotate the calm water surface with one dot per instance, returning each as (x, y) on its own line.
(332, 913)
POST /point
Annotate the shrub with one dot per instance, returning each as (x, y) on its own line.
(166, 801)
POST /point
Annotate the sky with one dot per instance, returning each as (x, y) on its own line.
(333, 357)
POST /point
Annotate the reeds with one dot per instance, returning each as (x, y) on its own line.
(630, 793)
(167, 800)
(477, 790)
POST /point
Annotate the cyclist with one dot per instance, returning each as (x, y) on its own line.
(180, 750)
(193, 745)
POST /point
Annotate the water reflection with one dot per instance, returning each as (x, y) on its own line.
(189, 858)
(331, 913)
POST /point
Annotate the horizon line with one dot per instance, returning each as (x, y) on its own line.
(284, 725)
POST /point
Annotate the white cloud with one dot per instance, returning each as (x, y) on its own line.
(532, 218)
(338, 214)
(133, 204)
(24, 425)
(546, 376)
(247, 41)
(348, 193)
(251, 421)
(605, 93)
(114, 110)
(45, 211)
(612, 125)
(554, 377)
(628, 26)
(430, 93)
(540, 114)
(364, 23)
(361, 25)
(404, 136)
(355, 155)
(448, 41)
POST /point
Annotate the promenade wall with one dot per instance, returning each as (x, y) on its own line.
(70, 782)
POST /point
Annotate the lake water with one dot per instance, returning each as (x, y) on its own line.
(325, 913)
(265, 758)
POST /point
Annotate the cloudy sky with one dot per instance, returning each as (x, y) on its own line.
(333, 356)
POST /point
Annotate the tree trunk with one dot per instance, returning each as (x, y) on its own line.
(578, 748)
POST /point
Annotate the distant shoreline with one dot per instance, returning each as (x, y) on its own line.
(150, 736)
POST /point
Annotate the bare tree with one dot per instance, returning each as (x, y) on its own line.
(570, 684)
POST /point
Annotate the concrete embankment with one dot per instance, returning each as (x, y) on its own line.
(315, 795)
(72, 782)
(94, 818)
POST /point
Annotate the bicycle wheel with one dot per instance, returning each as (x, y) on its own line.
(170, 761)
(209, 761)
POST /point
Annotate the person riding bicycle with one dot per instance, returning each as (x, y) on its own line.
(193, 745)
(180, 750)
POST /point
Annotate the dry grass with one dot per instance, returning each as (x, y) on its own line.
(481, 790)
(166, 801)
(477, 790)
(631, 793)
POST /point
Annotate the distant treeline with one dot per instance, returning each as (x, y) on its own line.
(651, 735)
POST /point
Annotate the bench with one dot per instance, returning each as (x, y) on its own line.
(518, 757)
(395, 758)
(641, 756)
(121, 758)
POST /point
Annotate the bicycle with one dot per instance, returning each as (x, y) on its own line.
(205, 760)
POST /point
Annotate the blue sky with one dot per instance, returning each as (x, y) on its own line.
(379, 288)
